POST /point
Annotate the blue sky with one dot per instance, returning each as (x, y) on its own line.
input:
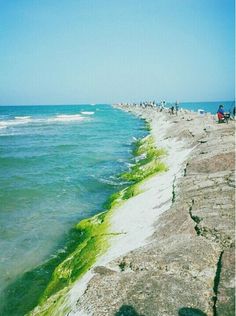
(103, 51)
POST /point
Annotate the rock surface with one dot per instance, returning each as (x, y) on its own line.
(187, 267)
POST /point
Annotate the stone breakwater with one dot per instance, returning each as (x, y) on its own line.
(187, 265)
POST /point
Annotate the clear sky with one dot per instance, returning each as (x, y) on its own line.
(103, 51)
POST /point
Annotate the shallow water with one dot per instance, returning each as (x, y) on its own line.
(58, 164)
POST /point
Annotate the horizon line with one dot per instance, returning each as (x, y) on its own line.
(105, 103)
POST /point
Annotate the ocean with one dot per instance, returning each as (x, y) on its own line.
(58, 165)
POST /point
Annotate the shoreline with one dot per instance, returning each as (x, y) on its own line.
(130, 219)
(136, 231)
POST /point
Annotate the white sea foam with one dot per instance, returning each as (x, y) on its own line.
(114, 182)
(67, 118)
(19, 120)
(87, 113)
(22, 117)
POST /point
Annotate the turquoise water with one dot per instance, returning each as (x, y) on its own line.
(58, 165)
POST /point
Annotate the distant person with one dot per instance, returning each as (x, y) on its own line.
(176, 108)
(221, 114)
(172, 109)
(161, 106)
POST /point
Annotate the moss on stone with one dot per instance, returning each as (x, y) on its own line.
(56, 305)
(131, 191)
(113, 200)
(148, 161)
(93, 242)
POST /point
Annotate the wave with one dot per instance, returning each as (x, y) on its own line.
(112, 181)
(22, 117)
(87, 112)
(19, 120)
(67, 118)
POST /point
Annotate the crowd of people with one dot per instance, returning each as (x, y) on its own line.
(161, 106)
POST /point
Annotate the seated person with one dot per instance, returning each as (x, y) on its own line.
(220, 113)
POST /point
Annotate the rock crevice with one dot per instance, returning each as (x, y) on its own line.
(216, 283)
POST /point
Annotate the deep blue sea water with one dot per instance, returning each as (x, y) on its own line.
(58, 165)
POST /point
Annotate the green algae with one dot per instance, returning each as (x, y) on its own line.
(56, 305)
(93, 241)
(149, 162)
(147, 145)
(113, 201)
(138, 174)
(131, 191)
(94, 232)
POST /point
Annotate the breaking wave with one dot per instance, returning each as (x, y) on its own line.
(87, 113)
(67, 118)
(20, 120)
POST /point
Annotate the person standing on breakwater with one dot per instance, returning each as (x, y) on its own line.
(176, 108)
